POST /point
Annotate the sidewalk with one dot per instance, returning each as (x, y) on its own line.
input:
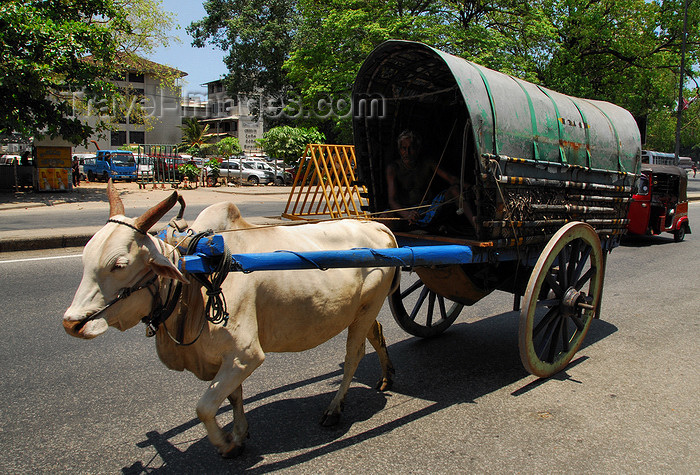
(94, 195)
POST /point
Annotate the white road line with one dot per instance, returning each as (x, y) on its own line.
(38, 259)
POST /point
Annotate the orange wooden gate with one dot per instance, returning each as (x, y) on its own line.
(326, 185)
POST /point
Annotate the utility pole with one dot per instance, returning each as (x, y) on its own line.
(679, 112)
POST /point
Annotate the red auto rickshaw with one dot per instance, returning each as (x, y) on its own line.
(660, 203)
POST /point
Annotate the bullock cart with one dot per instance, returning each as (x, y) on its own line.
(547, 177)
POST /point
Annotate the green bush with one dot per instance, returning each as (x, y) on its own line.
(289, 143)
(189, 171)
(214, 166)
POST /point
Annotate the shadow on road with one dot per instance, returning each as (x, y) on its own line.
(92, 193)
(468, 361)
(646, 241)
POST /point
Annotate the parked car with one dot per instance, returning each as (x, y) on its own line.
(282, 177)
(236, 169)
(167, 167)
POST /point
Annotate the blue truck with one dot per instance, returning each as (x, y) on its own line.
(114, 164)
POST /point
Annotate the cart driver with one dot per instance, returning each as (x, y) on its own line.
(408, 180)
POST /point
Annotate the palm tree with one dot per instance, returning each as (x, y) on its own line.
(193, 133)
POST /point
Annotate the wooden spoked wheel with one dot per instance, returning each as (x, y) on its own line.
(429, 314)
(561, 299)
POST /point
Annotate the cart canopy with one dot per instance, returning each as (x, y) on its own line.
(464, 111)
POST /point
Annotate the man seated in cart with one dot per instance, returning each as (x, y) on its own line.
(408, 183)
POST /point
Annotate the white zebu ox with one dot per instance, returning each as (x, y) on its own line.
(271, 311)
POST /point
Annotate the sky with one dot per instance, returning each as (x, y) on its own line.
(201, 64)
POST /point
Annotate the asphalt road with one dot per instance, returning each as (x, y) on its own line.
(56, 217)
(73, 215)
(461, 403)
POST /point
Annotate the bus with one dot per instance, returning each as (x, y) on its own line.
(658, 158)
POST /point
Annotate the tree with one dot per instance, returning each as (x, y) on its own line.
(289, 143)
(194, 133)
(228, 147)
(626, 52)
(335, 37)
(149, 26)
(257, 35)
(622, 51)
(52, 52)
(41, 47)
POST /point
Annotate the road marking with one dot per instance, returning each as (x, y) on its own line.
(12, 261)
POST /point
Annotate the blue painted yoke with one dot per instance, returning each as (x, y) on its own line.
(209, 249)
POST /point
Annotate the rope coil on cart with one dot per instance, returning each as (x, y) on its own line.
(216, 310)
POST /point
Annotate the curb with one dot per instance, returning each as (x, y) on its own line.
(47, 242)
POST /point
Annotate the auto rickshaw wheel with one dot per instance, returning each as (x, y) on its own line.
(561, 299)
(679, 234)
(426, 319)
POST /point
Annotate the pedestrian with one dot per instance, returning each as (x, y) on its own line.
(75, 168)
(695, 170)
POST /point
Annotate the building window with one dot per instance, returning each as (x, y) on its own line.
(136, 77)
(137, 137)
(118, 138)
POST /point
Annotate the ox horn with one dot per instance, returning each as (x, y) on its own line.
(115, 202)
(151, 217)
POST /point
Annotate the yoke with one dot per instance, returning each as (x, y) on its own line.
(416, 253)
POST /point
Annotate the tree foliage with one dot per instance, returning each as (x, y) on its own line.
(623, 51)
(228, 147)
(257, 35)
(149, 26)
(53, 52)
(289, 143)
(193, 133)
(41, 46)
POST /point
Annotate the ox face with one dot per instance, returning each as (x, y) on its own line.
(120, 256)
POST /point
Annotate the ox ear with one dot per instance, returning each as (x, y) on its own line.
(151, 217)
(115, 202)
(162, 266)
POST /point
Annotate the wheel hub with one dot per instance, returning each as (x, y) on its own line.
(572, 300)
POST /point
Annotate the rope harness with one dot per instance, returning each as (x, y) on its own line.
(124, 293)
(161, 309)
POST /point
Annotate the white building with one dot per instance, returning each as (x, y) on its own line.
(232, 117)
(164, 111)
(151, 113)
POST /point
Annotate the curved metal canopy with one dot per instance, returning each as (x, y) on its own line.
(405, 84)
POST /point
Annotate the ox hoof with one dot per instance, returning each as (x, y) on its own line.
(330, 419)
(233, 452)
(384, 384)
